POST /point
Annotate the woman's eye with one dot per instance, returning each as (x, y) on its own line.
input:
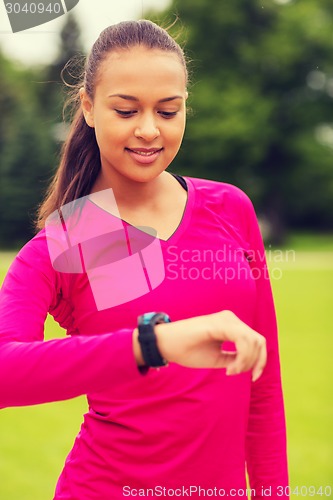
(128, 114)
(125, 113)
(168, 114)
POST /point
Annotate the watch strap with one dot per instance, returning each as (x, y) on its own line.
(147, 338)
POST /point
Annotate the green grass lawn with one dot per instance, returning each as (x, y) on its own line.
(34, 441)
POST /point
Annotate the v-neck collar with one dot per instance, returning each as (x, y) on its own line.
(183, 223)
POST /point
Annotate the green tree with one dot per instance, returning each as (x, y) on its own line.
(26, 152)
(31, 132)
(262, 100)
(69, 63)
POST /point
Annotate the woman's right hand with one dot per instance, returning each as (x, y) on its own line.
(197, 343)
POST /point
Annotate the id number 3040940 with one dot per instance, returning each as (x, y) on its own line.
(300, 491)
(33, 8)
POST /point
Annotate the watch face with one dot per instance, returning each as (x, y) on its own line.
(155, 317)
(161, 318)
(147, 317)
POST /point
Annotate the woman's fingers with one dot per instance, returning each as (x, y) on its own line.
(250, 345)
(261, 362)
(251, 354)
(226, 358)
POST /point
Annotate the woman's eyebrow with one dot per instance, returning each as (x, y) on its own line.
(132, 98)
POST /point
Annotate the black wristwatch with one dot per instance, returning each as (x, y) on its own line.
(147, 338)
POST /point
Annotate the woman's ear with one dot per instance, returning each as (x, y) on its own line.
(87, 108)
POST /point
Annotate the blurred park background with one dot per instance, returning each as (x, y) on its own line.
(261, 117)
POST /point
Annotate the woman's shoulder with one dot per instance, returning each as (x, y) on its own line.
(35, 253)
(31, 278)
(222, 192)
(36, 245)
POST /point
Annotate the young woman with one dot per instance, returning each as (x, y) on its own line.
(215, 411)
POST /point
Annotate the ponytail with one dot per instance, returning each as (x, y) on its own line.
(78, 169)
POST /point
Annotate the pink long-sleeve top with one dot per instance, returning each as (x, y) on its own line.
(171, 432)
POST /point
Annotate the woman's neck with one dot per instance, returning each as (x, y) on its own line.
(132, 195)
(159, 204)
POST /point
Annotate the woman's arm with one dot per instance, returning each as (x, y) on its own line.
(33, 371)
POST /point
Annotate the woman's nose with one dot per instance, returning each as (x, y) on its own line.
(147, 128)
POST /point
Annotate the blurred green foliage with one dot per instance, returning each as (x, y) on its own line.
(262, 97)
(25, 151)
(31, 102)
(262, 107)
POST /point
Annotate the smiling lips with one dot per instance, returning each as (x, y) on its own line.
(144, 155)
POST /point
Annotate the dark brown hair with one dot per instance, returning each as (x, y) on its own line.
(80, 158)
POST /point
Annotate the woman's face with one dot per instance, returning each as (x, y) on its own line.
(138, 113)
